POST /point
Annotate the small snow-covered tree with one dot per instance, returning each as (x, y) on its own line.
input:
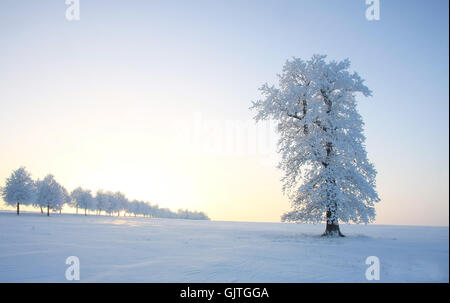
(327, 175)
(133, 207)
(39, 200)
(50, 193)
(82, 198)
(191, 215)
(93, 204)
(120, 202)
(102, 201)
(19, 189)
(144, 209)
(109, 202)
(67, 199)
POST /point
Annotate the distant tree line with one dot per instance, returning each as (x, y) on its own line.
(21, 189)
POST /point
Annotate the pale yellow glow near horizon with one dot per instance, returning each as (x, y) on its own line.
(226, 188)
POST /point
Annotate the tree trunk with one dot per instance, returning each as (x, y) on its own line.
(77, 210)
(48, 210)
(18, 208)
(60, 211)
(332, 228)
(85, 211)
(41, 210)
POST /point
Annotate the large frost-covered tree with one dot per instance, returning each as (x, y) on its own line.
(327, 175)
(19, 189)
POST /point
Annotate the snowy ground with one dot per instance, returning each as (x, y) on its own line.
(33, 248)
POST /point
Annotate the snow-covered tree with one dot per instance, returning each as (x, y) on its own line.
(102, 201)
(82, 198)
(144, 209)
(108, 202)
(38, 200)
(191, 215)
(120, 202)
(93, 204)
(327, 175)
(49, 193)
(67, 199)
(133, 207)
(19, 189)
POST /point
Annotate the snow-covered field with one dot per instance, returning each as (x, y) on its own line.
(34, 248)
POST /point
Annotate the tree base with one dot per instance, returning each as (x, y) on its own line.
(333, 234)
(332, 230)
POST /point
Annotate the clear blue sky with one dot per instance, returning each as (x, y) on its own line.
(93, 101)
